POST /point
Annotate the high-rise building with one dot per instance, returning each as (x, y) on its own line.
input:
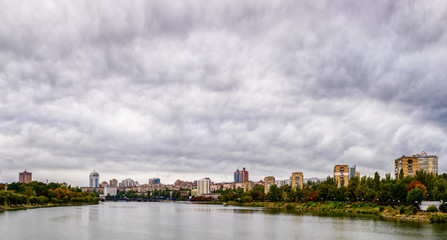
(268, 182)
(352, 172)
(25, 177)
(297, 180)
(241, 176)
(236, 176)
(128, 183)
(94, 179)
(113, 183)
(203, 186)
(248, 185)
(341, 174)
(411, 164)
(154, 181)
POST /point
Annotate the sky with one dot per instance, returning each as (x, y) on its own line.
(198, 88)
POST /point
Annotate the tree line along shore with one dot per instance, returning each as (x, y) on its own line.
(390, 198)
(37, 194)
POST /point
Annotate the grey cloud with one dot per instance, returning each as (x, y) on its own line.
(199, 88)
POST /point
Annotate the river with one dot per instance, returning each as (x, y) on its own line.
(140, 220)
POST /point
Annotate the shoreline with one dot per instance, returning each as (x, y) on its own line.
(423, 217)
(25, 207)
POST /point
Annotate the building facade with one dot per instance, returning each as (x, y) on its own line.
(128, 183)
(410, 164)
(297, 180)
(248, 186)
(110, 190)
(280, 183)
(241, 176)
(25, 177)
(203, 186)
(113, 183)
(341, 175)
(268, 182)
(94, 179)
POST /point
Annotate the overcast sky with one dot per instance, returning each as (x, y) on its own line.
(192, 89)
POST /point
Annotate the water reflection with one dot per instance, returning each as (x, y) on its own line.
(192, 221)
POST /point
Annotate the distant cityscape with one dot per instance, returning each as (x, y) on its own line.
(405, 166)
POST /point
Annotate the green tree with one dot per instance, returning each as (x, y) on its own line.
(273, 195)
(415, 196)
(440, 189)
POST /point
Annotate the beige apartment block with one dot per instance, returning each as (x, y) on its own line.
(248, 186)
(341, 174)
(297, 180)
(411, 164)
(268, 182)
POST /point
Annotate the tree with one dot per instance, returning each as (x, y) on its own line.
(416, 184)
(273, 194)
(440, 189)
(415, 196)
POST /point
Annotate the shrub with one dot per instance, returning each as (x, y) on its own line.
(401, 209)
(290, 206)
(438, 217)
(432, 208)
(443, 208)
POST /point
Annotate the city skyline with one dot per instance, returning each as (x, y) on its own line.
(203, 89)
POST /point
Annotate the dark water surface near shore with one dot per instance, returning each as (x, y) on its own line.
(123, 220)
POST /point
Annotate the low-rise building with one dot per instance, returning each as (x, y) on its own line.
(110, 190)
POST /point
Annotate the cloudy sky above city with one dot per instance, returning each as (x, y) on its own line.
(192, 89)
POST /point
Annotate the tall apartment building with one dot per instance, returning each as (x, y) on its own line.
(25, 177)
(94, 179)
(128, 183)
(203, 186)
(154, 181)
(236, 175)
(411, 164)
(341, 174)
(241, 176)
(297, 180)
(268, 182)
(113, 183)
(248, 186)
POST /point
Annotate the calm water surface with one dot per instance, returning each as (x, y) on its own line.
(193, 221)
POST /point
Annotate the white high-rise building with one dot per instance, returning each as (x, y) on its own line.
(94, 179)
(203, 186)
(128, 183)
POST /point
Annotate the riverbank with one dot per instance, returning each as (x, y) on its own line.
(24, 207)
(401, 212)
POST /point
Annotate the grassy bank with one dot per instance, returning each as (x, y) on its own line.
(401, 212)
(27, 206)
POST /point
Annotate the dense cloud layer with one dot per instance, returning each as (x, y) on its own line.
(188, 89)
